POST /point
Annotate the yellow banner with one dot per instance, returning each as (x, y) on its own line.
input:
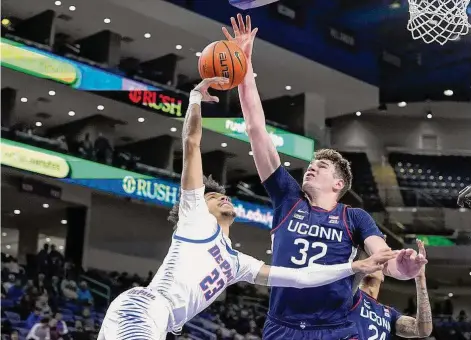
(34, 161)
(40, 65)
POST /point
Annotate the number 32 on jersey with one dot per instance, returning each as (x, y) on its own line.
(303, 256)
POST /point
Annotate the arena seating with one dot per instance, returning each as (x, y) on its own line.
(363, 181)
(430, 181)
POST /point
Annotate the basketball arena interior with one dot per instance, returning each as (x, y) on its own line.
(94, 94)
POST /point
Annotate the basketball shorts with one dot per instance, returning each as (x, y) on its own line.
(275, 329)
(137, 314)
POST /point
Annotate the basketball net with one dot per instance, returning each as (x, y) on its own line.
(438, 20)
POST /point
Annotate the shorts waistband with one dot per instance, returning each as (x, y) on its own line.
(308, 324)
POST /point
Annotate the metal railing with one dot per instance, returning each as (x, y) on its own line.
(98, 288)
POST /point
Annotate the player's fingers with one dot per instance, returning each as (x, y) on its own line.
(400, 256)
(213, 99)
(227, 34)
(221, 80)
(421, 247)
(240, 19)
(248, 23)
(235, 28)
(254, 32)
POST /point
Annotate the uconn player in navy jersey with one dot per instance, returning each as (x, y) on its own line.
(309, 225)
(379, 322)
(201, 263)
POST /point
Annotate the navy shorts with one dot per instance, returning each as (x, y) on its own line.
(275, 329)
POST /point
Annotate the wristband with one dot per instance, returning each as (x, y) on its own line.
(195, 97)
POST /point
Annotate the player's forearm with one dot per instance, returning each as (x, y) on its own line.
(424, 312)
(312, 276)
(192, 127)
(251, 103)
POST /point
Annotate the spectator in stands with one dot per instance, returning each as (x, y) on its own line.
(62, 143)
(103, 149)
(10, 283)
(42, 259)
(13, 266)
(462, 317)
(14, 335)
(33, 318)
(16, 291)
(86, 147)
(448, 308)
(88, 322)
(40, 284)
(61, 327)
(40, 331)
(149, 277)
(29, 287)
(43, 305)
(79, 333)
(54, 289)
(69, 289)
(26, 305)
(56, 261)
(84, 295)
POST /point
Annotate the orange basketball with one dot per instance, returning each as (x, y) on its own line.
(223, 59)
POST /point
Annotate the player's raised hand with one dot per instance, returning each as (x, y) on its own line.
(409, 263)
(244, 36)
(375, 262)
(203, 86)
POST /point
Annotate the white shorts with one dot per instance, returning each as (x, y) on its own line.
(137, 314)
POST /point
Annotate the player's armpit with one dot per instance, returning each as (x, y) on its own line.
(406, 327)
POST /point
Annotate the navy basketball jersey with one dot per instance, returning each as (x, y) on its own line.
(374, 321)
(302, 235)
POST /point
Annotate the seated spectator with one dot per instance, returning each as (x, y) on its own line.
(86, 147)
(40, 331)
(54, 289)
(88, 322)
(14, 335)
(16, 291)
(103, 149)
(29, 286)
(26, 305)
(79, 333)
(13, 266)
(61, 327)
(69, 289)
(40, 283)
(33, 318)
(10, 283)
(83, 294)
(43, 305)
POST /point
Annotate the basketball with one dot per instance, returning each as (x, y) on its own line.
(223, 59)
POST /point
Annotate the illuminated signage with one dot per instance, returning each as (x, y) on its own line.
(34, 161)
(42, 64)
(286, 142)
(117, 181)
(157, 101)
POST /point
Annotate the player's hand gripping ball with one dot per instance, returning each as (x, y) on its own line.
(223, 59)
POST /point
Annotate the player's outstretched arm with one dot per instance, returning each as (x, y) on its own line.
(192, 174)
(464, 197)
(421, 326)
(264, 151)
(318, 275)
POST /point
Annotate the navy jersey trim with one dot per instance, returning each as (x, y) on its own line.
(355, 306)
(345, 218)
(212, 238)
(287, 215)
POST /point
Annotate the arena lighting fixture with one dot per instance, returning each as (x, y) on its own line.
(107, 20)
(395, 4)
(100, 107)
(24, 99)
(52, 93)
(237, 245)
(179, 47)
(224, 145)
(288, 87)
(173, 129)
(48, 239)
(38, 124)
(448, 93)
(141, 119)
(72, 8)
(4, 234)
(61, 247)
(17, 211)
(450, 294)
(8, 246)
(6, 22)
(198, 54)
(287, 164)
(63, 221)
(358, 113)
(250, 153)
(268, 251)
(429, 115)
(255, 75)
(45, 205)
(402, 104)
(147, 35)
(57, 3)
(462, 209)
(71, 113)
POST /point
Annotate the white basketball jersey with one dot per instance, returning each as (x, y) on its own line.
(200, 263)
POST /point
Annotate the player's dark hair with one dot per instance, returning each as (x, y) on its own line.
(342, 167)
(210, 185)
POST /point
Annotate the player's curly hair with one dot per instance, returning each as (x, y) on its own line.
(342, 167)
(210, 185)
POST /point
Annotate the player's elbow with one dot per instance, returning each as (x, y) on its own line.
(424, 330)
(256, 131)
(191, 143)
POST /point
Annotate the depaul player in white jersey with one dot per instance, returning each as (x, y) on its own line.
(201, 263)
